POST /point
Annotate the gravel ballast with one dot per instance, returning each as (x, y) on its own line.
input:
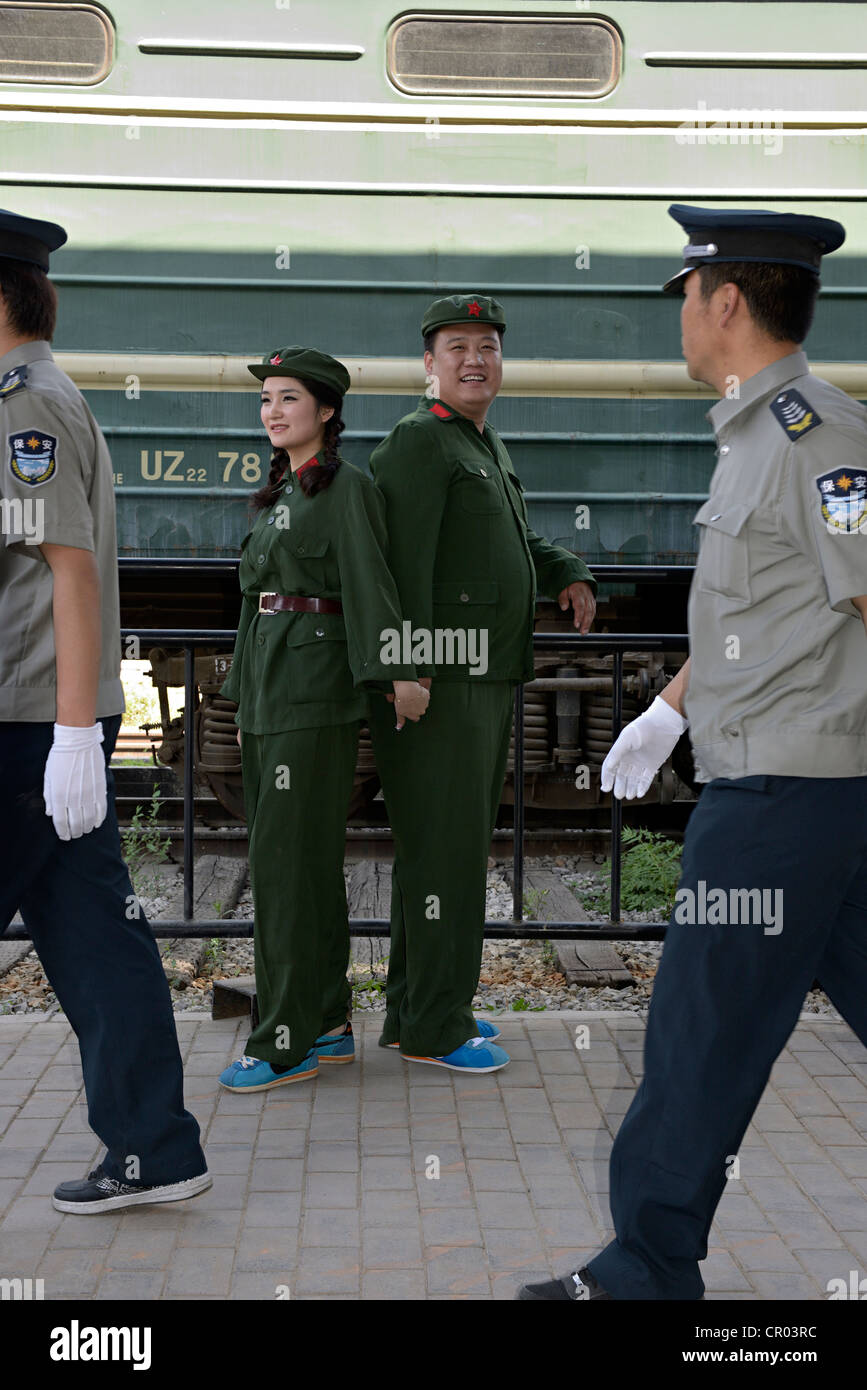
(516, 975)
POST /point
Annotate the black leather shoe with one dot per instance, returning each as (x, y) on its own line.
(98, 1192)
(579, 1287)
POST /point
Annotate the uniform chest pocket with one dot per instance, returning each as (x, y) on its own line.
(723, 566)
(477, 488)
(518, 489)
(300, 563)
(305, 549)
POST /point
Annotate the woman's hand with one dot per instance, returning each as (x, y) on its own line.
(410, 701)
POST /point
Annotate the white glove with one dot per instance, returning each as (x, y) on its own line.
(641, 749)
(74, 786)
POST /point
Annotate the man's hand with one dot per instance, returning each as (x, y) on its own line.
(411, 699)
(74, 786)
(641, 750)
(423, 681)
(582, 599)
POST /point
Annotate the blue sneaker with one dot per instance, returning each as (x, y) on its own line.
(477, 1055)
(251, 1074)
(336, 1047)
(486, 1030)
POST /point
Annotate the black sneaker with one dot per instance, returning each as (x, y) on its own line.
(98, 1192)
(579, 1287)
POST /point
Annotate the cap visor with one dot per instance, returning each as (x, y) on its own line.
(263, 372)
(675, 284)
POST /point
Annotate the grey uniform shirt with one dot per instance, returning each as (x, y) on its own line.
(778, 682)
(55, 486)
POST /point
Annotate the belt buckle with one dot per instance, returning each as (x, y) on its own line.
(270, 612)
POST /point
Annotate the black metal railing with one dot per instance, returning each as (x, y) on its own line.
(519, 927)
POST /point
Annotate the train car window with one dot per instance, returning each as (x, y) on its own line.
(503, 55)
(55, 43)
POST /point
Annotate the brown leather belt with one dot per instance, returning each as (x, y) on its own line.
(298, 603)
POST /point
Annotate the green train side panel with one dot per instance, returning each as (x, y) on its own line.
(231, 204)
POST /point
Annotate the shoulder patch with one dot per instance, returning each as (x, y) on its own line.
(440, 411)
(14, 380)
(32, 456)
(843, 500)
(796, 415)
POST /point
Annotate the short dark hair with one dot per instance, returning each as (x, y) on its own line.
(30, 299)
(781, 298)
(429, 337)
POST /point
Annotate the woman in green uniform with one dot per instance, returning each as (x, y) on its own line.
(317, 596)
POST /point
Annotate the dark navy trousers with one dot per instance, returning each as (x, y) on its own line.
(77, 901)
(725, 1000)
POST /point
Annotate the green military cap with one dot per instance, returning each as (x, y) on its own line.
(463, 308)
(306, 363)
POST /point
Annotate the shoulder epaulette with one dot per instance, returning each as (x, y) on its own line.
(12, 381)
(796, 416)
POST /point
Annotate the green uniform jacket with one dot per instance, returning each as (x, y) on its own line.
(299, 670)
(459, 544)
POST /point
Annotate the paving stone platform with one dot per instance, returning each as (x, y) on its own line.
(327, 1188)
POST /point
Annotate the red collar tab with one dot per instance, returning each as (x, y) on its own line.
(440, 411)
(311, 463)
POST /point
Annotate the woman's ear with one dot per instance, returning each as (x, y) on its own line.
(325, 413)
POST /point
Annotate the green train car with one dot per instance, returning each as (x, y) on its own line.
(234, 177)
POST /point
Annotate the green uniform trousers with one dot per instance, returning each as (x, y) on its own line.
(297, 788)
(442, 779)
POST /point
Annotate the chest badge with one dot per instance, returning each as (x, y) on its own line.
(796, 415)
(16, 380)
(843, 500)
(32, 456)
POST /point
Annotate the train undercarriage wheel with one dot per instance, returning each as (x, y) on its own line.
(218, 756)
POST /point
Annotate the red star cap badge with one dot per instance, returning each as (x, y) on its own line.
(275, 360)
(475, 309)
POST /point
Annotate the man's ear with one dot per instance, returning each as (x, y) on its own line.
(428, 362)
(733, 298)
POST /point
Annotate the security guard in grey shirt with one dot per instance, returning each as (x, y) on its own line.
(61, 703)
(773, 892)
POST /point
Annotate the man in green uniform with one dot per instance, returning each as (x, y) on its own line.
(467, 568)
